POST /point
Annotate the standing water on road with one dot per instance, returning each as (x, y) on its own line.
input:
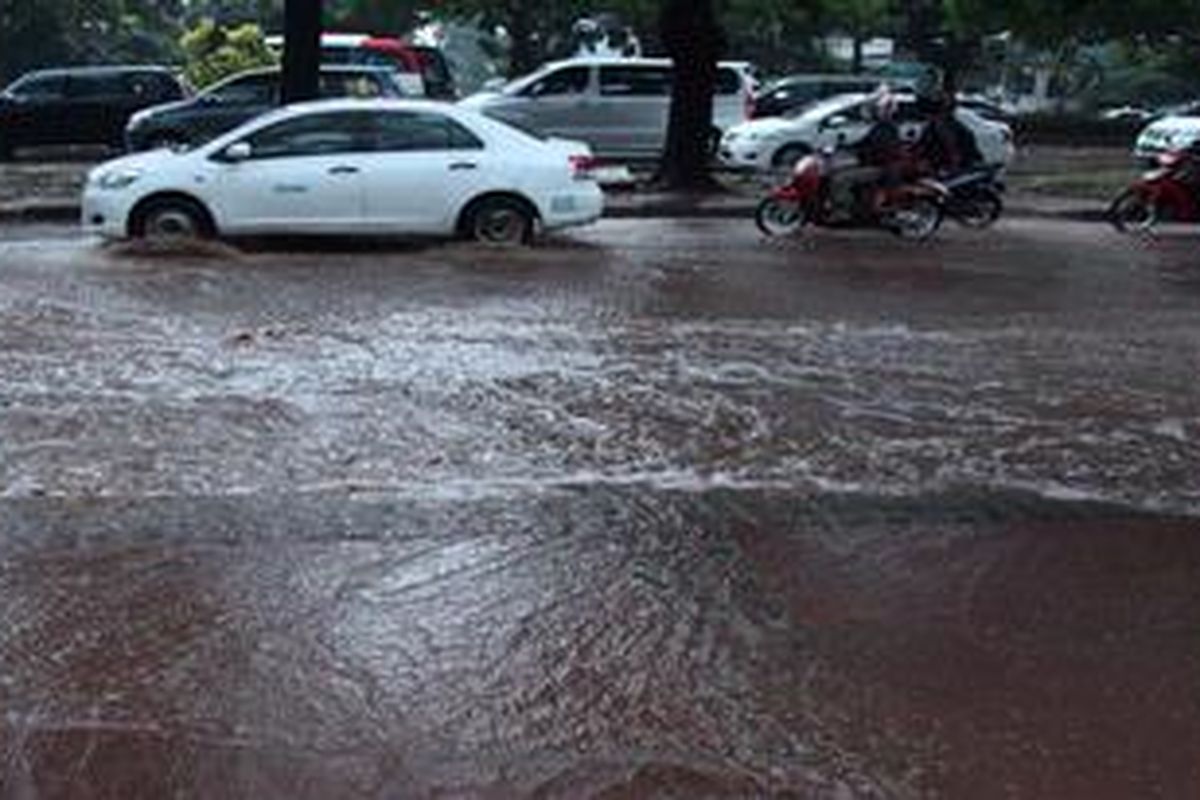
(657, 510)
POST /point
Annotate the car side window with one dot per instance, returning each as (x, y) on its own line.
(314, 135)
(350, 85)
(566, 81)
(860, 113)
(250, 90)
(41, 87)
(95, 86)
(146, 86)
(797, 92)
(728, 81)
(635, 81)
(415, 131)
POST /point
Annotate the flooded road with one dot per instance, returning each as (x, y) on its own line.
(657, 509)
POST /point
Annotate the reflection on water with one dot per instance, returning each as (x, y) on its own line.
(599, 642)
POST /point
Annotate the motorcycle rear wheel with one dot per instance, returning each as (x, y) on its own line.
(776, 217)
(916, 219)
(980, 209)
(1133, 213)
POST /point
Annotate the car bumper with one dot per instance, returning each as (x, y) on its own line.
(106, 213)
(579, 206)
(745, 155)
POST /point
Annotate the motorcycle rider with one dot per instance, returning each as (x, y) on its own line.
(1189, 171)
(946, 145)
(879, 154)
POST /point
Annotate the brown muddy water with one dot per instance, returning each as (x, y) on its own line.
(657, 509)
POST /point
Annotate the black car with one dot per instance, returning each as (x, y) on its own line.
(224, 106)
(86, 105)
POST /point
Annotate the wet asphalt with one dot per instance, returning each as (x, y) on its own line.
(654, 509)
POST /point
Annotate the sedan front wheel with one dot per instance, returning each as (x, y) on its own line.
(171, 217)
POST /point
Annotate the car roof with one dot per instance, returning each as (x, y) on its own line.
(589, 61)
(101, 69)
(326, 69)
(837, 77)
(357, 104)
(350, 68)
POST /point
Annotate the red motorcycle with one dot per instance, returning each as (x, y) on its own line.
(1167, 193)
(913, 208)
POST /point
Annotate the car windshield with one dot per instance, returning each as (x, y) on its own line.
(824, 108)
(260, 88)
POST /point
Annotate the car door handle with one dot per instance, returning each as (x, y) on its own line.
(463, 165)
(343, 169)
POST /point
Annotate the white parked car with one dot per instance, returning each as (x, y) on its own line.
(841, 121)
(1174, 132)
(351, 166)
(620, 106)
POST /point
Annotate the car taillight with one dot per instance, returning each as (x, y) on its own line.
(583, 168)
(748, 106)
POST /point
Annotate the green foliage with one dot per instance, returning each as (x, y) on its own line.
(778, 35)
(213, 52)
(383, 17)
(58, 32)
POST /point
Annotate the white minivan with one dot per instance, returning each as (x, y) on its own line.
(618, 106)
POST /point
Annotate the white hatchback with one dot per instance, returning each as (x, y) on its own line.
(386, 167)
(840, 121)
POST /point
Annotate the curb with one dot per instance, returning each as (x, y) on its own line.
(70, 213)
(40, 212)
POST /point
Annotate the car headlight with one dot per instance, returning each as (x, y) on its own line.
(118, 179)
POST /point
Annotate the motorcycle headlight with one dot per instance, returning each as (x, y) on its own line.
(118, 179)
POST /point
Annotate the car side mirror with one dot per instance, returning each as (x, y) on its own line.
(238, 152)
(835, 122)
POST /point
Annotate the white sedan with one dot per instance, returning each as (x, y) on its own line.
(1177, 131)
(351, 167)
(775, 142)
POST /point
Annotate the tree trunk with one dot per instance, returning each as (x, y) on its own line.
(920, 24)
(301, 51)
(858, 54)
(523, 58)
(694, 41)
(957, 58)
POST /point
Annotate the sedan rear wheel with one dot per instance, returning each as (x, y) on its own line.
(500, 221)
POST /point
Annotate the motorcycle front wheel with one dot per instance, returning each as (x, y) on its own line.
(979, 209)
(1131, 212)
(916, 219)
(776, 217)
